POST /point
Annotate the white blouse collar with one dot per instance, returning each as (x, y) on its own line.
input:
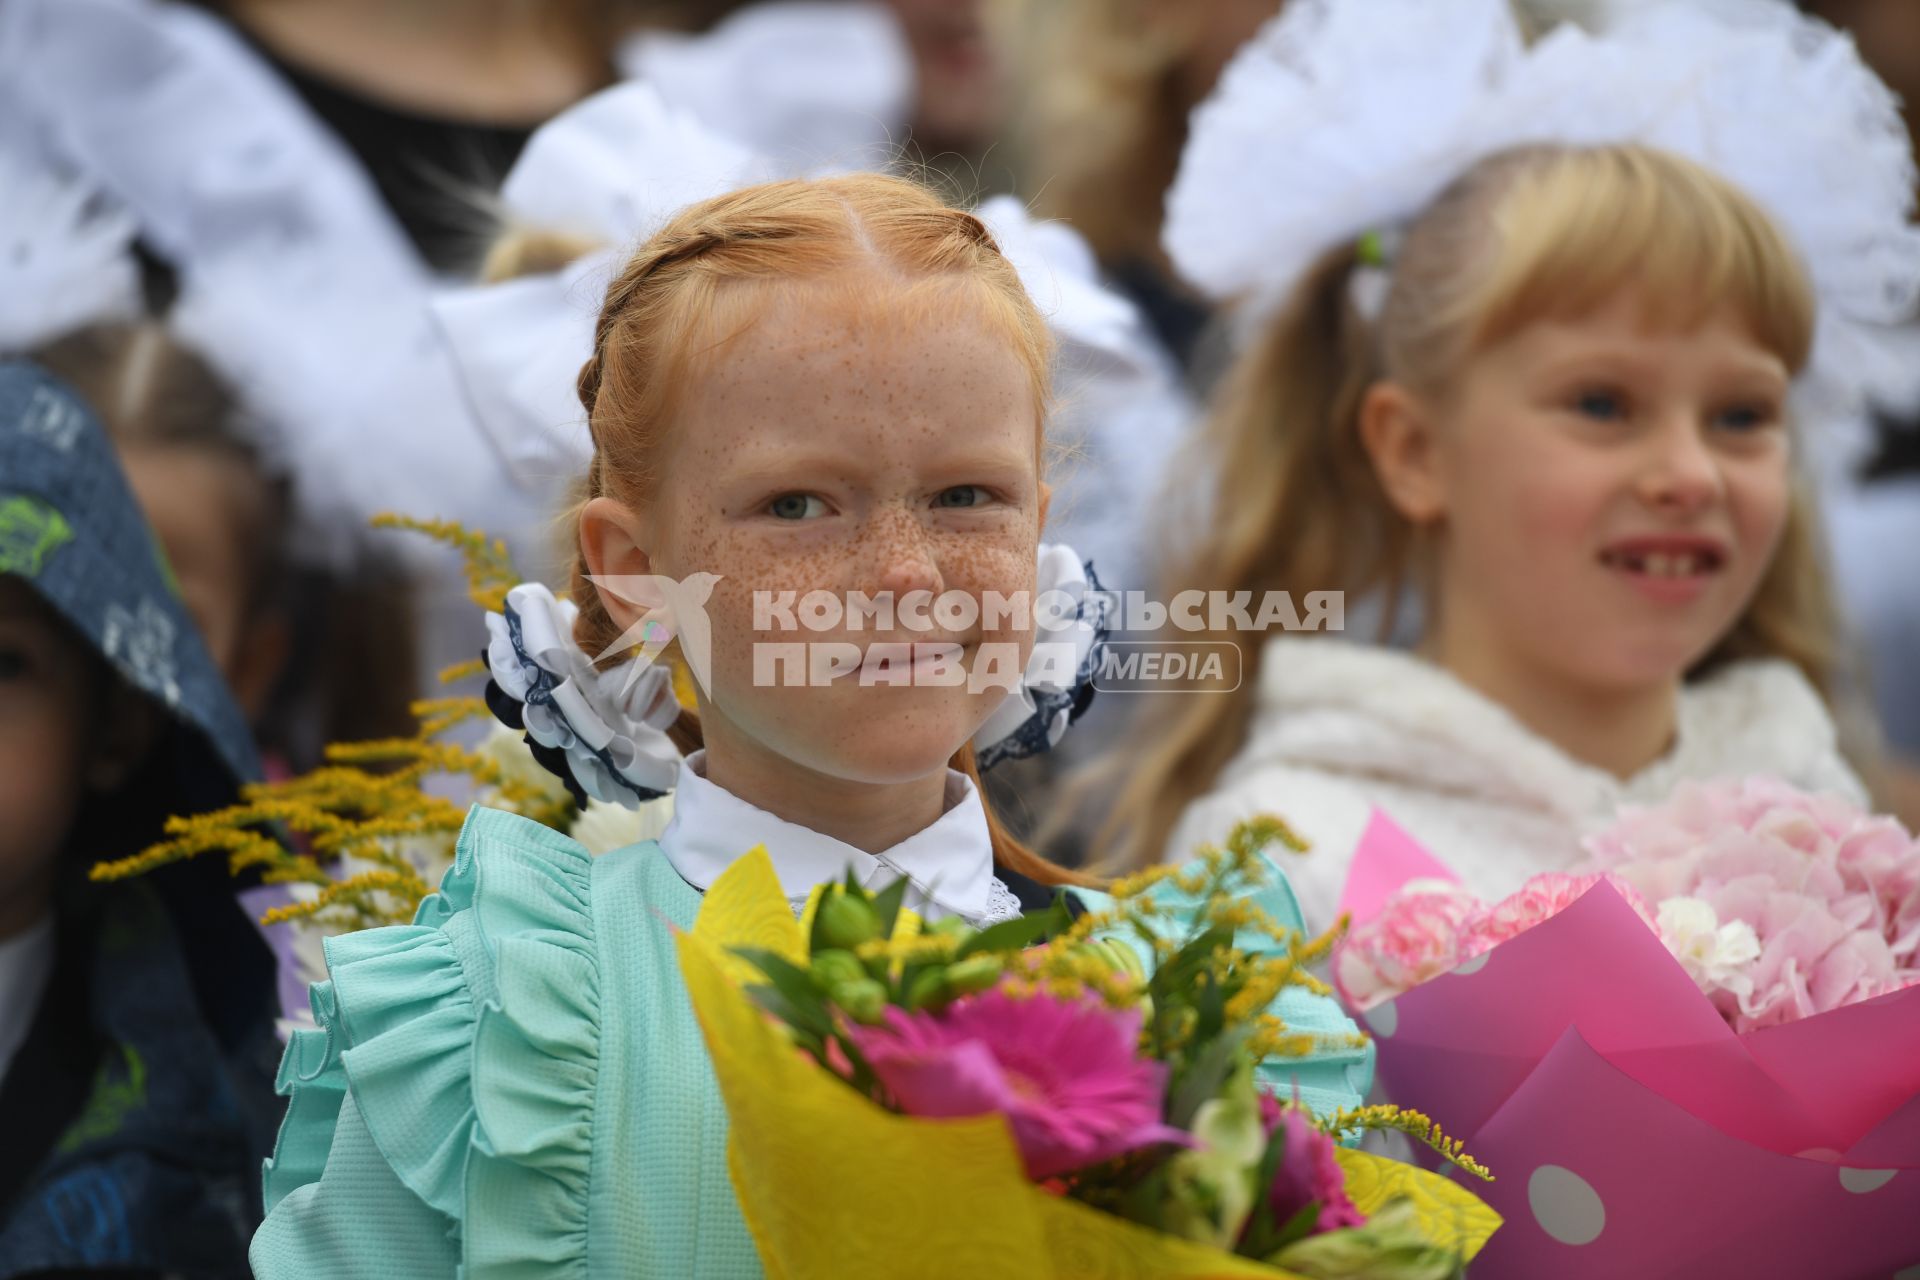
(949, 864)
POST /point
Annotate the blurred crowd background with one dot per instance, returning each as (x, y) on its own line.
(244, 233)
(248, 385)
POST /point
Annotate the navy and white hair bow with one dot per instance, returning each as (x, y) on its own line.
(604, 732)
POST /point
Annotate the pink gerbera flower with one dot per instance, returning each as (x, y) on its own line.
(1308, 1172)
(1065, 1073)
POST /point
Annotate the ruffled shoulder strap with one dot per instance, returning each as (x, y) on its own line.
(470, 1043)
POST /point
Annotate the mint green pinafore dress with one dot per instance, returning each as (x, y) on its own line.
(514, 1085)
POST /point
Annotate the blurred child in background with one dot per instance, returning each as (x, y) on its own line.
(1104, 89)
(135, 1019)
(1542, 388)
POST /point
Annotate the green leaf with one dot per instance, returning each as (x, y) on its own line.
(1181, 969)
(806, 1002)
(1203, 1079)
(1262, 1238)
(1009, 935)
(864, 1079)
(1211, 1005)
(809, 1019)
(815, 942)
(1146, 1201)
(1299, 1226)
(886, 905)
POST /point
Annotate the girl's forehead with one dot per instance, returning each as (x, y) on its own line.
(863, 353)
(865, 307)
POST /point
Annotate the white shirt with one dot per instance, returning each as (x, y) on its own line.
(949, 864)
(26, 964)
(1340, 728)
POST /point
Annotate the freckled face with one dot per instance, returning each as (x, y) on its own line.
(889, 453)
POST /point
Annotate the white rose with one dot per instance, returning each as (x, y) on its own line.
(602, 827)
(1714, 955)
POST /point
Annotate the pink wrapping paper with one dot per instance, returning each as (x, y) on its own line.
(1632, 1133)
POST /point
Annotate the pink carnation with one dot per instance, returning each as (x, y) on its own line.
(1065, 1073)
(1427, 928)
(1541, 898)
(1415, 937)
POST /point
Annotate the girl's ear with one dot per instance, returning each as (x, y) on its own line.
(1397, 431)
(128, 727)
(613, 544)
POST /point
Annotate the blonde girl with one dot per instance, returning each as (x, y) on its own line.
(830, 385)
(1549, 406)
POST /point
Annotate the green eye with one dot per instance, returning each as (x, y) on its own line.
(962, 495)
(796, 506)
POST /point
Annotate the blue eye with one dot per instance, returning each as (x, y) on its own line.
(1600, 405)
(796, 506)
(962, 496)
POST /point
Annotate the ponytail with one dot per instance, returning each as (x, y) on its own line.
(1526, 234)
(1297, 509)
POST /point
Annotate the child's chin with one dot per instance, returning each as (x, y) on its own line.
(1640, 661)
(896, 753)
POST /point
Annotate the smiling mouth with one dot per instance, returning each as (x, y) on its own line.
(1665, 564)
(926, 655)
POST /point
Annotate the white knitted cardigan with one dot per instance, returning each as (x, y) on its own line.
(1340, 728)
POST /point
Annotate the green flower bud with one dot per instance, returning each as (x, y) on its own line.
(837, 968)
(954, 927)
(846, 922)
(926, 988)
(975, 973)
(1117, 956)
(863, 1000)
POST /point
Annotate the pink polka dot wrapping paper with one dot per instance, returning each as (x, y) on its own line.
(1631, 1131)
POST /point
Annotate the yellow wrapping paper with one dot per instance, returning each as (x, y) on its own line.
(834, 1187)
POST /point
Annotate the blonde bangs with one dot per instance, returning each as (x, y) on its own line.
(1574, 227)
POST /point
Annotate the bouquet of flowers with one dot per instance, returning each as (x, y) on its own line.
(1778, 904)
(1085, 1089)
(1728, 986)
